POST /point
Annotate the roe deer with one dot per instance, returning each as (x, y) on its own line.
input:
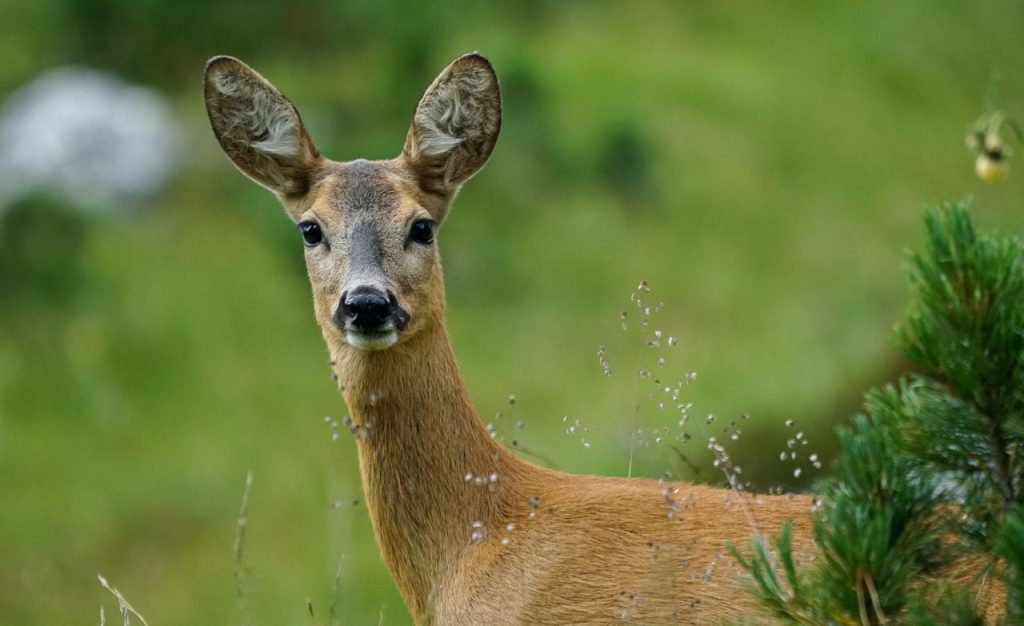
(531, 545)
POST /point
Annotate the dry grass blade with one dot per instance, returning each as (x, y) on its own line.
(241, 529)
(126, 609)
(332, 609)
(243, 525)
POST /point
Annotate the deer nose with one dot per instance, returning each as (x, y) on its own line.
(363, 308)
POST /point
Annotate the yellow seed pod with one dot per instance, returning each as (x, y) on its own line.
(991, 170)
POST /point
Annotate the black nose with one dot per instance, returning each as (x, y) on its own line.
(365, 309)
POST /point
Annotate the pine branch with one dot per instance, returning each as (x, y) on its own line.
(930, 477)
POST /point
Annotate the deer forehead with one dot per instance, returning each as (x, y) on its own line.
(377, 192)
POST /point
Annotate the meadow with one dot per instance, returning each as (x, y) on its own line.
(761, 168)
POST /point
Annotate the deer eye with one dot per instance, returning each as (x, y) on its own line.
(422, 231)
(311, 233)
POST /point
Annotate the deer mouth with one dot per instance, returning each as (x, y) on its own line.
(372, 340)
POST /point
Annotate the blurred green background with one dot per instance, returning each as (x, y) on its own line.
(761, 166)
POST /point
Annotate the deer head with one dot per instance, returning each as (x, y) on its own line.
(369, 227)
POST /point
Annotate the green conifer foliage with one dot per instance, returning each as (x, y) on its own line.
(923, 517)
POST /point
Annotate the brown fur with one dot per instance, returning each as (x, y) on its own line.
(528, 545)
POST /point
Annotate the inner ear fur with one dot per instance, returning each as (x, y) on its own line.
(258, 127)
(456, 124)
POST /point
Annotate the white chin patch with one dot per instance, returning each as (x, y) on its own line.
(376, 341)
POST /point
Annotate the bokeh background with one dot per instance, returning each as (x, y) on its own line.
(762, 167)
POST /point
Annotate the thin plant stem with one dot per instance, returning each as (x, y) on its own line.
(126, 609)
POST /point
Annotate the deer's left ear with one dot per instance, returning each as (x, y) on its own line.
(456, 124)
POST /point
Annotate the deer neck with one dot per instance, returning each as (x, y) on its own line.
(418, 439)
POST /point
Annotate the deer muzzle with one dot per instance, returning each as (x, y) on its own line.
(370, 318)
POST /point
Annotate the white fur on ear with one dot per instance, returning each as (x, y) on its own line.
(277, 123)
(438, 121)
(269, 119)
(225, 84)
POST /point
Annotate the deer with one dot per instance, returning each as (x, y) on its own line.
(471, 533)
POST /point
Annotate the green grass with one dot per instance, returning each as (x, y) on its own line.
(779, 160)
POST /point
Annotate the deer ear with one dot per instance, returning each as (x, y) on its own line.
(258, 128)
(455, 125)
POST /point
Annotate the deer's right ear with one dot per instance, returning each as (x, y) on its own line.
(258, 128)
